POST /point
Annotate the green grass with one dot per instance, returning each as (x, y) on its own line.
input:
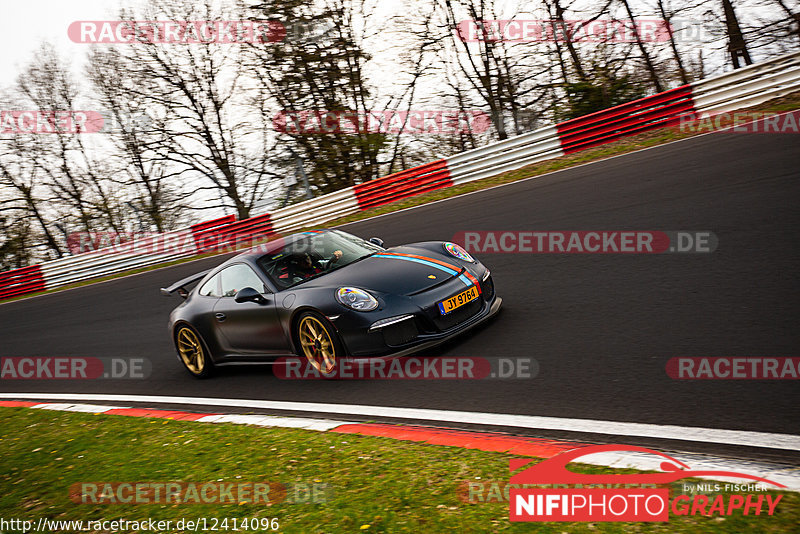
(378, 484)
(622, 146)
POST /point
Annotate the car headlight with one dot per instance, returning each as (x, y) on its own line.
(458, 251)
(356, 299)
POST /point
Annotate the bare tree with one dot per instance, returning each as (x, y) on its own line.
(73, 169)
(16, 240)
(139, 144)
(736, 43)
(25, 198)
(209, 130)
(648, 61)
(318, 68)
(564, 33)
(791, 16)
(666, 18)
(503, 75)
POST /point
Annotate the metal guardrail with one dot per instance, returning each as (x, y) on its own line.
(120, 258)
(315, 211)
(738, 89)
(657, 111)
(506, 155)
(748, 86)
(403, 184)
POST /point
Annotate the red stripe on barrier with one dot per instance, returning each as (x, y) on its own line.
(222, 221)
(656, 111)
(536, 447)
(403, 184)
(233, 235)
(202, 231)
(21, 282)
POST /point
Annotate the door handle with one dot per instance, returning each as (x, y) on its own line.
(220, 316)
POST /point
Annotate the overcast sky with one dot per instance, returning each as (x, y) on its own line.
(26, 23)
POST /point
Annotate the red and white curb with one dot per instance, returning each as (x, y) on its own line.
(788, 475)
(744, 438)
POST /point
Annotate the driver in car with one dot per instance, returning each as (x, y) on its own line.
(306, 267)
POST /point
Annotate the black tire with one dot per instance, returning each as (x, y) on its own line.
(192, 352)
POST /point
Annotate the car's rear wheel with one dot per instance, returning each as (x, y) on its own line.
(318, 342)
(192, 352)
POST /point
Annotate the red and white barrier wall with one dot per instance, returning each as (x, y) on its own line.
(734, 90)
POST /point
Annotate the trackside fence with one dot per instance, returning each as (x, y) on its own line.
(738, 89)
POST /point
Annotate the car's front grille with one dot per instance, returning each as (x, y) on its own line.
(455, 317)
(400, 333)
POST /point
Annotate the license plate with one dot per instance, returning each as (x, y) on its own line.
(446, 306)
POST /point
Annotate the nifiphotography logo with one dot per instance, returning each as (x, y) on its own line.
(601, 498)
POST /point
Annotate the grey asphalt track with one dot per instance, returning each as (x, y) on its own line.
(602, 327)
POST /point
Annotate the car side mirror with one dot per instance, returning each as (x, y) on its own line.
(376, 241)
(248, 294)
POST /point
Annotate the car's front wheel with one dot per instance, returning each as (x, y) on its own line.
(192, 353)
(318, 342)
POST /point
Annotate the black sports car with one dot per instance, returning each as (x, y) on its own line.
(325, 295)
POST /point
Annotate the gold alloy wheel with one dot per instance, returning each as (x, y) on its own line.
(317, 344)
(191, 351)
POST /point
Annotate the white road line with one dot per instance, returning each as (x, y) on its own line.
(86, 408)
(614, 428)
(322, 425)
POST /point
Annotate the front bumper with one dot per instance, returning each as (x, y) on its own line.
(423, 326)
(433, 340)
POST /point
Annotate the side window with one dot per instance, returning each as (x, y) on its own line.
(238, 277)
(210, 288)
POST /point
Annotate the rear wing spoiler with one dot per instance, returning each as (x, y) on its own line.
(180, 286)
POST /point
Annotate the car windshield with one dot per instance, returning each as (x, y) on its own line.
(313, 254)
